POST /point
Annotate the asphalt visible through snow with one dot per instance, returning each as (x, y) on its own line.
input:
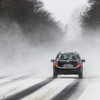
(28, 91)
(47, 88)
(66, 93)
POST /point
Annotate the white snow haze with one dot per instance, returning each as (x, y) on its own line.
(18, 57)
(68, 13)
(62, 9)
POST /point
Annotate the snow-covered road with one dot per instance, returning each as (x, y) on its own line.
(92, 89)
(46, 88)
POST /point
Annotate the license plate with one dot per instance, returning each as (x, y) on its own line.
(68, 65)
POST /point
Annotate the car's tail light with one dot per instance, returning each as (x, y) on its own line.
(56, 63)
(79, 64)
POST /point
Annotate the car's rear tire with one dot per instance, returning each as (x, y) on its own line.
(81, 75)
(55, 74)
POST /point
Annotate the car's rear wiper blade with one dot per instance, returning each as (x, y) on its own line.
(64, 59)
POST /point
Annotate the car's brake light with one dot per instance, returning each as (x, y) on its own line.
(56, 63)
(79, 64)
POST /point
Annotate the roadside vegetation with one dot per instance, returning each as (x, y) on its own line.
(26, 31)
(34, 22)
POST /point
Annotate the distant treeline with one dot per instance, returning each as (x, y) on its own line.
(91, 18)
(32, 18)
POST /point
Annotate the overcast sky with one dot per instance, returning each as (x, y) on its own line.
(62, 9)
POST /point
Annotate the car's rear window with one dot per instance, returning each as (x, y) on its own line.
(66, 56)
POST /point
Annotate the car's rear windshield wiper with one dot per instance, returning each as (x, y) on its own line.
(64, 59)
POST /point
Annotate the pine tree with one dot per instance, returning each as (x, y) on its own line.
(91, 19)
(19, 10)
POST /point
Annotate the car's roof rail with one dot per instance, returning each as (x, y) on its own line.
(75, 51)
(59, 51)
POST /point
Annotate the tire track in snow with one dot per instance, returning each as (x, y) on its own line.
(14, 80)
(2, 77)
(28, 91)
(17, 86)
(50, 90)
(68, 91)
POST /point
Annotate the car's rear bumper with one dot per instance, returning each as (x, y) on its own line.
(73, 70)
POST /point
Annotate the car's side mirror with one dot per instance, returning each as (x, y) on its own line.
(83, 60)
(52, 60)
